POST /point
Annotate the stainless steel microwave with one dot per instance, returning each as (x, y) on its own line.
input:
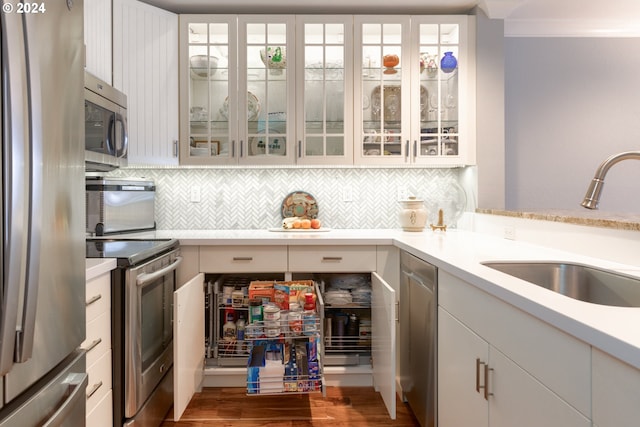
(105, 117)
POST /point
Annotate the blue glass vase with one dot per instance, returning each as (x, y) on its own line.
(448, 63)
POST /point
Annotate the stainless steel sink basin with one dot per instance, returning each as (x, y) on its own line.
(577, 281)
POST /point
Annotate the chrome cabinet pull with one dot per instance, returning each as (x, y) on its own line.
(485, 386)
(243, 258)
(94, 389)
(93, 299)
(486, 382)
(93, 345)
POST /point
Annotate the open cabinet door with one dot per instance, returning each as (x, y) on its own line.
(383, 341)
(188, 343)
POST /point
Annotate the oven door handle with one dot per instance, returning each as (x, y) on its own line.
(145, 278)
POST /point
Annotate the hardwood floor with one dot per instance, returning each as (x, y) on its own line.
(342, 407)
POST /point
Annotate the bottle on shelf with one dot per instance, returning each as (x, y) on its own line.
(309, 302)
(240, 330)
(229, 329)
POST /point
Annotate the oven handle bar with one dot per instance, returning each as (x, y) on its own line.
(145, 278)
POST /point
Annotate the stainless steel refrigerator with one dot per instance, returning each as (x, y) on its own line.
(42, 296)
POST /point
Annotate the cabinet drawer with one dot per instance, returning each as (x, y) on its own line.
(239, 259)
(98, 299)
(102, 414)
(98, 338)
(99, 383)
(332, 259)
(558, 360)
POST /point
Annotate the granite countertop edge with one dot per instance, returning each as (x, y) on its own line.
(619, 221)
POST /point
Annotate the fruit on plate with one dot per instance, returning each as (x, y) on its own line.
(291, 222)
(295, 222)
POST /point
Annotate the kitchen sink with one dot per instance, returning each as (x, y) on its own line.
(577, 281)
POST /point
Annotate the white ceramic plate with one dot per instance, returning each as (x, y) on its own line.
(299, 230)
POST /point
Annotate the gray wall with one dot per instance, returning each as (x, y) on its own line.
(570, 103)
(490, 98)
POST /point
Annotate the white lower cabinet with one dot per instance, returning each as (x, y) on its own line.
(291, 263)
(616, 401)
(98, 347)
(102, 414)
(504, 367)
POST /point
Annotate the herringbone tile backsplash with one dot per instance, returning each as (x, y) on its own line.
(251, 198)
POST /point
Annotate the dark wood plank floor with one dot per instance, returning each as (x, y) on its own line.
(342, 407)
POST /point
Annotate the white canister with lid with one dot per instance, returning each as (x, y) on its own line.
(413, 214)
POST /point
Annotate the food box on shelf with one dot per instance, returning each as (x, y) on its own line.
(281, 292)
(262, 290)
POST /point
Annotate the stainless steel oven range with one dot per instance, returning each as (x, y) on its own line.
(142, 289)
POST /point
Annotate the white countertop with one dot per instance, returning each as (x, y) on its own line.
(615, 330)
(98, 266)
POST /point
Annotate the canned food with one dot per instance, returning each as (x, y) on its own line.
(271, 312)
(271, 329)
(295, 322)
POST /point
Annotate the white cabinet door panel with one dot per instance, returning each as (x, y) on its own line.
(383, 333)
(145, 68)
(520, 400)
(616, 399)
(188, 343)
(459, 404)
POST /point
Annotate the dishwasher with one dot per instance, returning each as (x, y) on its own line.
(418, 337)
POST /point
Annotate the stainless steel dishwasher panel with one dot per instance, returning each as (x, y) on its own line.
(418, 337)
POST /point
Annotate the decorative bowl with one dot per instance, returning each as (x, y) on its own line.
(200, 63)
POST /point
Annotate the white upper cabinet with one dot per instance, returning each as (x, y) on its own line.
(414, 90)
(266, 89)
(145, 68)
(324, 78)
(97, 38)
(330, 90)
(382, 90)
(208, 89)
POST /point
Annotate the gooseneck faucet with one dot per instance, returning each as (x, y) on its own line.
(592, 198)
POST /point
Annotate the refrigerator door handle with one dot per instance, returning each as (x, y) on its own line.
(26, 330)
(77, 385)
(15, 162)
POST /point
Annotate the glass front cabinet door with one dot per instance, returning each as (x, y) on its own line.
(208, 111)
(410, 75)
(266, 88)
(324, 121)
(442, 94)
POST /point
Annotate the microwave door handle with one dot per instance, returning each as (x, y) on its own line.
(124, 137)
(110, 135)
(24, 338)
(146, 278)
(14, 187)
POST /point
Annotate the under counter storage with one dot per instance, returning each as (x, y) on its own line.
(99, 410)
